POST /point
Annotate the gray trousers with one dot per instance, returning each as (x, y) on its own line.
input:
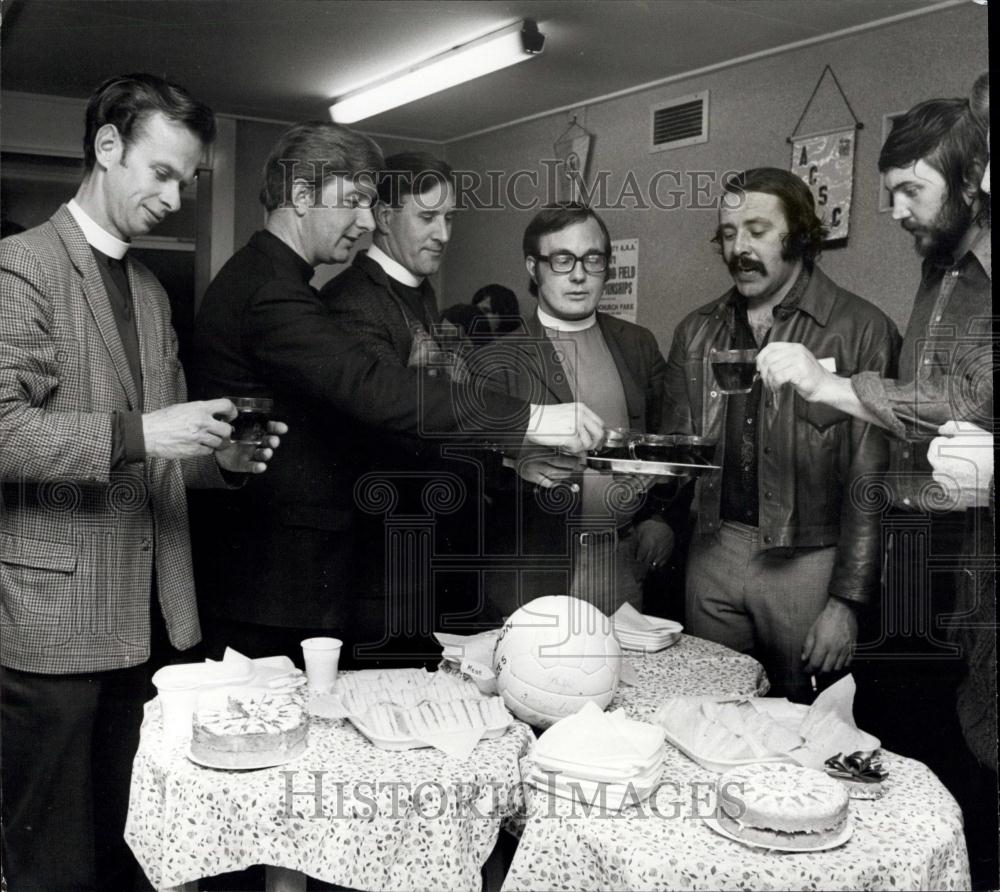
(758, 602)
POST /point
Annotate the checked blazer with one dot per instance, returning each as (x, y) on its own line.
(79, 541)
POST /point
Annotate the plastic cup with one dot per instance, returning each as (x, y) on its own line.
(177, 692)
(322, 656)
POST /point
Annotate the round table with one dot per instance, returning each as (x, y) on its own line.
(345, 812)
(911, 838)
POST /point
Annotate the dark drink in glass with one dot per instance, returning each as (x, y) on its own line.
(616, 443)
(734, 370)
(250, 423)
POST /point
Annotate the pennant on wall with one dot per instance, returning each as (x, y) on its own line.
(826, 162)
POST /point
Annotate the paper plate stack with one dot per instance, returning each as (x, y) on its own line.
(636, 631)
(608, 758)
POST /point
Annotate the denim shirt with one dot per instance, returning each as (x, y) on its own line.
(945, 371)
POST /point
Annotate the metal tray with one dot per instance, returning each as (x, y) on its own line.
(649, 468)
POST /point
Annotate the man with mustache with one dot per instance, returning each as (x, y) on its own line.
(935, 162)
(782, 557)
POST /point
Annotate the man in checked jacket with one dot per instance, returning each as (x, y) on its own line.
(97, 445)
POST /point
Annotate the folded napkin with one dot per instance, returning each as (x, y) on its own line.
(629, 619)
(277, 673)
(600, 740)
(603, 758)
(829, 727)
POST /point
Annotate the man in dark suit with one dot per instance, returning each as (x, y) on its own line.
(596, 536)
(291, 568)
(97, 445)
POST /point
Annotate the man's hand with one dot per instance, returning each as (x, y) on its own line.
(784, 363)
(655, 542)
(962, 459)
(830, 643)
(546, 468)
(569, 426)
(239, 458)
(187, 430)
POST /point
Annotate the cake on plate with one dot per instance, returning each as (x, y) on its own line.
(781, 805)
(247, 732)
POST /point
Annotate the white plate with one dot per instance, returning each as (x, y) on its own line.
(838, 840)
(264, 763)
(721, 766)
(411, 743)
(652, 648)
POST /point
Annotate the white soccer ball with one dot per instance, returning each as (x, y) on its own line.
(553, 655)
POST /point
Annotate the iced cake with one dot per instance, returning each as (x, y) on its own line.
(248, 732)
(781, 805)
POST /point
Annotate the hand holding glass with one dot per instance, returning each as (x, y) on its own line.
(252, 416)
(735, 370)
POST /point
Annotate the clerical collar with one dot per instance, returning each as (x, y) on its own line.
(96, 236)
(566, 324)
(393, 269)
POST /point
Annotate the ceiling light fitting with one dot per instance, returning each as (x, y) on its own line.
(466, 62)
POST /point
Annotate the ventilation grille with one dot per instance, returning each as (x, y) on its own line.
(681, 122)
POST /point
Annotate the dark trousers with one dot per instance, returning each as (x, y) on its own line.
(68, 745)
(68, 742)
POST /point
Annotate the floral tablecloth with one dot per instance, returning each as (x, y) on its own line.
(345, 812)
(909, 839)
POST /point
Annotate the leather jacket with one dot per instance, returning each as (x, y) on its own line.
(819, 468)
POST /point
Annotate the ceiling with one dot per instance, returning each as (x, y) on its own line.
(286, 59)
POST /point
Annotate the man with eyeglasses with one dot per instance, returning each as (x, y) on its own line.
(279, 562)
(787, 543)
(595, 536)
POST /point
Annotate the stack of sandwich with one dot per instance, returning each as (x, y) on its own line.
(606, 757)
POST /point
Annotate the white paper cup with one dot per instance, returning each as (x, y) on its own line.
(177, 692)
(322, 656)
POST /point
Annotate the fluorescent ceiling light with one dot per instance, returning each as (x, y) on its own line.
(455, 66)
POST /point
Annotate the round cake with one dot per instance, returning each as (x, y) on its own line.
(247, 732)
(781, 805)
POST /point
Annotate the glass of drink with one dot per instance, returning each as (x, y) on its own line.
(735, 370)
(250, 423)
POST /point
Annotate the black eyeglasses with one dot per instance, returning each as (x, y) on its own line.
(565, 261)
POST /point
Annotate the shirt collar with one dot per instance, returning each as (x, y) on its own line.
(566, 324)
(96, 236)
(393, 269)
(979, 250)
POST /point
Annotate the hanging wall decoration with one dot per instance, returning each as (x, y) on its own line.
(825, 161)
(572, 154)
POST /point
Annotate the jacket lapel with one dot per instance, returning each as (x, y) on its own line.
(97, 299)
(551, 372)
(635, 396)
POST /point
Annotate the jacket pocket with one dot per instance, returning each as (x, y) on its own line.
(25, 552)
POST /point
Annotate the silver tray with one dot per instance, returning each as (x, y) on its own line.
(650, 468)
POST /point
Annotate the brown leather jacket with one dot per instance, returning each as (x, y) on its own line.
(818, 466)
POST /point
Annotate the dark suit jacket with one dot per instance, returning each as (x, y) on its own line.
(436, 481)
(281, 551)
(532, 525)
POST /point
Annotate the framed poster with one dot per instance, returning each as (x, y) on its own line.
(621, 289)
(825, 161)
